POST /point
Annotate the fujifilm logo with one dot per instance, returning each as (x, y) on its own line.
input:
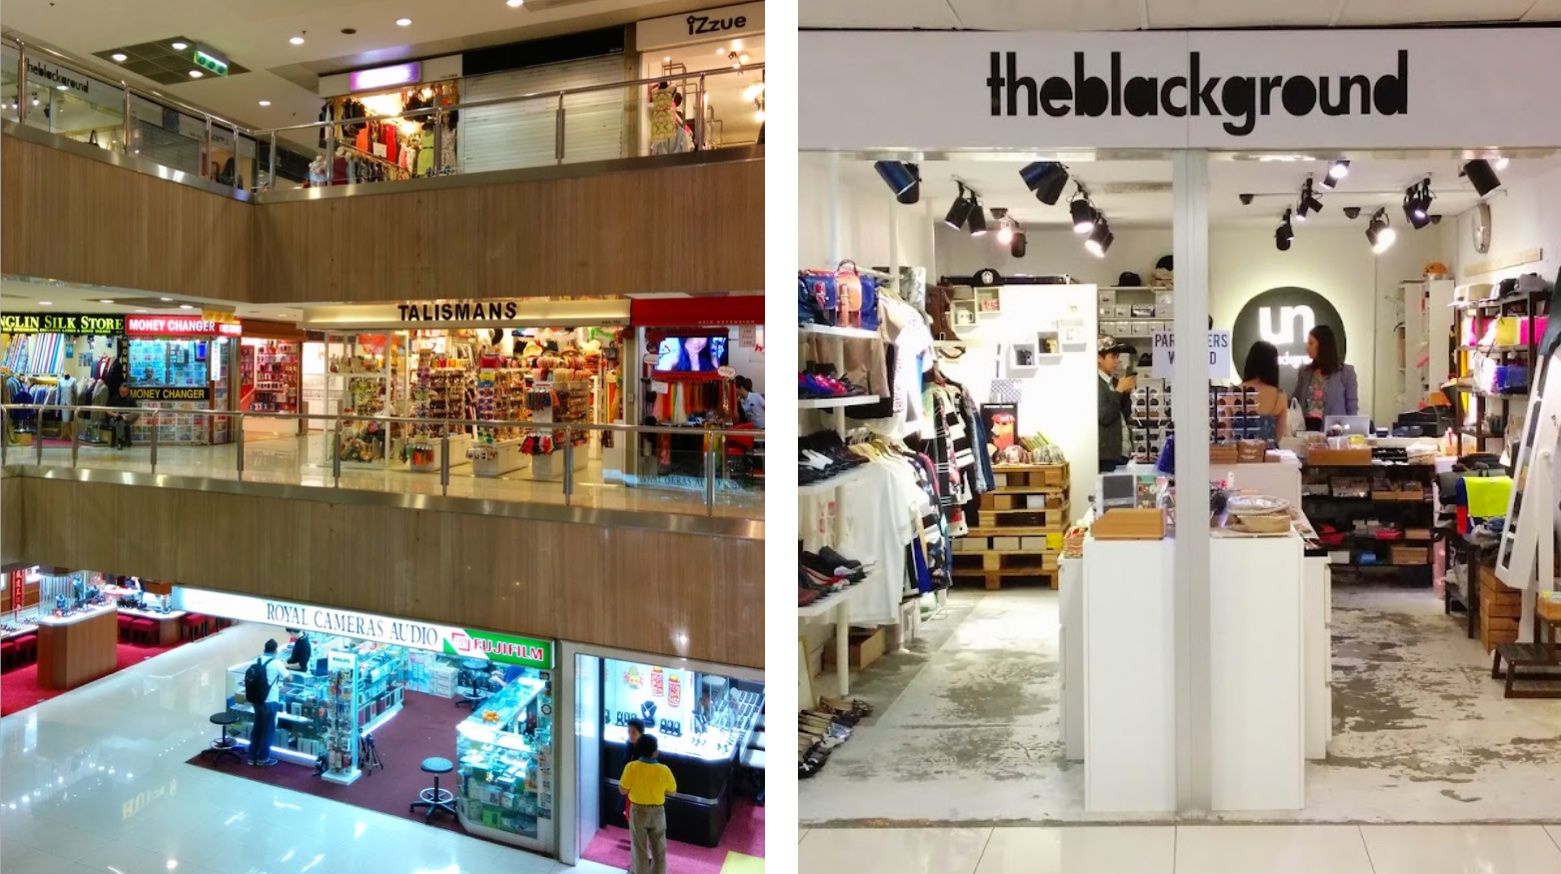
(1241, 99)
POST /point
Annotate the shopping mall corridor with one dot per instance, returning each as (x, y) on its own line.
(97, 780)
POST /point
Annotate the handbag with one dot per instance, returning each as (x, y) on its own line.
(848, 285)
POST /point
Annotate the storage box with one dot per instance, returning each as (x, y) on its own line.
(1339, 556)
(1124, 523)
(1409, 555)
(867, 646)
(1005, 544)
(1036, 543)
(1054, 542)
(1036, 502)
(1343, 457)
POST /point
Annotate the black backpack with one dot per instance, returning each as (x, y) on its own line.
(256, 684)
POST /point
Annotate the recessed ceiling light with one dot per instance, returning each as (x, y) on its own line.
(185, 306)
(121, 57)
(196, 74)
(105, 300)
(514, 4)
(667, 59)
(743, 57)
(180, 46)
(403, 22)
(297, 40)
(46, 303)
(35, 101)
(720, 51)
(166, 299)
(265, 103)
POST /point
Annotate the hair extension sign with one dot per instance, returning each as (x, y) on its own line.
(1192, 89)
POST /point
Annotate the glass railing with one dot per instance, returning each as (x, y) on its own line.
(678, 113)
(698, 471)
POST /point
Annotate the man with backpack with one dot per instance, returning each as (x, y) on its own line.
(263, 688)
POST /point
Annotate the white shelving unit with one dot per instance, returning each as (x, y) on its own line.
(836, 403)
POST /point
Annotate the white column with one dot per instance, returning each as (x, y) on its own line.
(1189, 409)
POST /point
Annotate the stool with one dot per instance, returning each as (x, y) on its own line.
(26, 648)
(435, 798)
(7, 653)
(474, 675)
(225, 745)
(144, 629)
(194, 626)
(124, 626)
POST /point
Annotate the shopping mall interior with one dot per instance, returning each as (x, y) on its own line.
(993, 594)
(464, 307)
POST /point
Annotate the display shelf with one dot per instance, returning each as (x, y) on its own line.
(836, 403)
(504, 784)
(824, 605)
(832, 331)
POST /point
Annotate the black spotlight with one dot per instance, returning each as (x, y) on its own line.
(977, 220)
(1100, 239)
(1046, 179)
(1417, 204)
(1283, 234)
(1309, 202)
(1246, 199)
(1352, 212)
(1084, 215)
(959, 212)
(1379, 233)
(901, 178)
(1482, 176)
(1336, 171)
(1017, 247)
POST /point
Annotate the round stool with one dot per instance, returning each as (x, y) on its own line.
(225, 745)
(474, 673)
(144, 629)
(435, 798)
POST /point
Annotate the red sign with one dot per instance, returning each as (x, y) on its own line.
(688, 312)
(165, 326)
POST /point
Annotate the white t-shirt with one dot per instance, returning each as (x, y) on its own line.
(276, 672)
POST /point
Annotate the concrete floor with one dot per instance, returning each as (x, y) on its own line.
(966, 729)
(304, 460)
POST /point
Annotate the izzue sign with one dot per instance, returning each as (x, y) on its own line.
(75, 324)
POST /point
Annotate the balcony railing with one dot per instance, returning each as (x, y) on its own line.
(574, 125)
(713, 471)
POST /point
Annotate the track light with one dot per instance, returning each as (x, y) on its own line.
(1046, 179)
(1502, 162)
(1100, 239)
(960, 210)
(1017, 247)
(1246, 199)
(1417, 204)
(903, 179)
(1283, 234)
(1005, 226)
(1309, 202)
(1084, 214)
(977, 219)
(1380, 233)
(1482, 176)
(1336, 171)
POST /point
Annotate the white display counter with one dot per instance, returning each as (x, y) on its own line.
(507, 458)
(1070, 648)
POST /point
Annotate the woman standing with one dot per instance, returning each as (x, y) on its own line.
(1261, 372)
(1326, 386)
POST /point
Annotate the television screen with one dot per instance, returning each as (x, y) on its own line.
(691, 354)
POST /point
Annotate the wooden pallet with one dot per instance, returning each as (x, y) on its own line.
(992, 567)
(993, 580)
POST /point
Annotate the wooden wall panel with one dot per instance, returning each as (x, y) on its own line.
(10, 521)
(83, 221)
(695, 229)
(673, 594)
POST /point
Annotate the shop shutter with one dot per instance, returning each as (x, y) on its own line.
(521, 134)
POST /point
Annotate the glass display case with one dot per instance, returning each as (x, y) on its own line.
(199, 368)
(300, 736)
(701, 722)
(505, 769)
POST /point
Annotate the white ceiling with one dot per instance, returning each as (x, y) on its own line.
(1161, 14)
(1137, 192)
(255, 34)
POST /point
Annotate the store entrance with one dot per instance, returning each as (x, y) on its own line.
(372, 723)
(709, 729)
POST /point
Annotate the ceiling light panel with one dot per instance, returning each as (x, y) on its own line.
(160, 62)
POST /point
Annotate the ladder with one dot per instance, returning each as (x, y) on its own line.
(1526, 559)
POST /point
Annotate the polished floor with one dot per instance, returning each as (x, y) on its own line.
(96, 781)
(303, 460)
(1187, 849)
(967, 726)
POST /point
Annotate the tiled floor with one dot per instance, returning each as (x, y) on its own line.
(1215, 849)
(303, 461)
(95, 781)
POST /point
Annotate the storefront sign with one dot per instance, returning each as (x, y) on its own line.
(1219, 354)
(73, 81)
(693, 312)
(381, 78)
(726, 22)
(1284, 317)
(75, 324)
(459, 311)
(1198, 89)
(462, 642)
(179, 326)
(170, 393)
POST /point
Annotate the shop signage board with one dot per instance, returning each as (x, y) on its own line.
(1193, 89)
(74, 324)
(493, 646)
(179, 326)
(1284, 316)
(723, 23)
(381, 78)
(1219, 354)
(167, 393)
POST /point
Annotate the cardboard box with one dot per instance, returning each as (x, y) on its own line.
(1125, 523)
(867, 646)
(1409, 555)
(1032, 543)
(1005, 544)
(1342, 457)
(1036, 502)
(1004, 502)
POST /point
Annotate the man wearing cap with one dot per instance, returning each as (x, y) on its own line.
(1113, 399)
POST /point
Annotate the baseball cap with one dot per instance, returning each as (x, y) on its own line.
(1107, 345)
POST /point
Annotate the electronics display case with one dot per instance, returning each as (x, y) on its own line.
(198, 363)
(701, 722)
(504, 749)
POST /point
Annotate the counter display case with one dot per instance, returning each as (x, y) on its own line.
(701, 723)
(504, 786)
